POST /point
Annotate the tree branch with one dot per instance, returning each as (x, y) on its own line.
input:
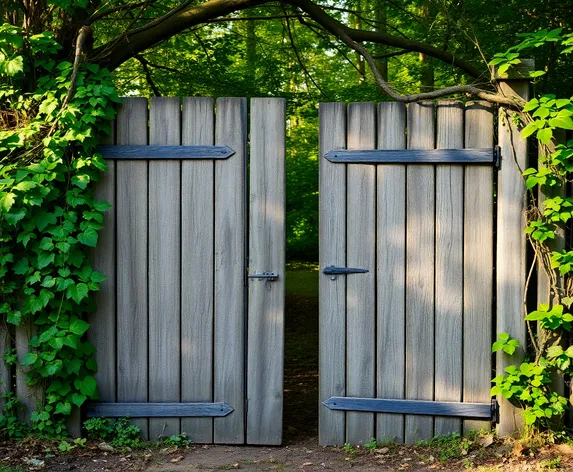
(340, 31)
(83, 36)
(147, 72)
(99, 15)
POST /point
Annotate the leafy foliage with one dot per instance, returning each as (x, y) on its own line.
(48, 214)
(529, 384)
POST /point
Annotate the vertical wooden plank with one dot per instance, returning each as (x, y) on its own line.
(29, 396)
(391, 270)
(132, 268)
(511, 245)
(449, 265)
(230, 270)
(102, 332)
(478, 263)
(420, 243)
(265, 360)
(332, 292)
(164, 265)
(197, 207)
(5, 372)
(360, 288)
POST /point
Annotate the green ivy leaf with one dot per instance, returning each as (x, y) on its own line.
(77, 292)
(79, 327)
(29, 359)
(88, 237)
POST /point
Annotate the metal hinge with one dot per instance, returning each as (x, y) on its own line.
(494, 411)
(497, 157)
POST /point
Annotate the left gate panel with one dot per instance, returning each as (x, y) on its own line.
(173, 300)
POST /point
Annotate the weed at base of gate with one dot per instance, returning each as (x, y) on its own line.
(176, 440)
(452, 446)
(116, 432)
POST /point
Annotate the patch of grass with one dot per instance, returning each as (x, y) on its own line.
(302, 280)
(5, 468)
(550, 464)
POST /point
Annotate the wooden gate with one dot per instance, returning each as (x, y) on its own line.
(406, 254)
(182, 298)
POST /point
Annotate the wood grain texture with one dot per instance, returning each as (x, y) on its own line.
(391, 270)
(6, 342)
(265, 359)
(230, 269)
(29, 396)
(197, 267)
(449, 266)
(332, 293)
(511, 246)
(420, 212)
(478, 263)
(102, 333)
(360, 288)
(413, 156)
(164, 266)
(132, 265)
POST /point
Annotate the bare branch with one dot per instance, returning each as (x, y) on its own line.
(102, 14)
(147, 72)
(338, 30)
(83, 35)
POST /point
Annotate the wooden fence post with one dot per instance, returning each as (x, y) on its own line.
(511, 240)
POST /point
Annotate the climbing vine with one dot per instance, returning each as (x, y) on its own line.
(529, 384)
(51, 111)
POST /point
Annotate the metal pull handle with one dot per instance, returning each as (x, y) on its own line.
(268, 276)
(333, 271)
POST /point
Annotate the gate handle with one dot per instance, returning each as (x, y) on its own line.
(333, 271)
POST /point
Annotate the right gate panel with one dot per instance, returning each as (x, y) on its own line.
(417, 325)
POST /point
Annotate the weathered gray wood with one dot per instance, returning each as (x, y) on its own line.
(164, 266)
(197, 265)
(412, 407)
(265, 362)
(102, 333)
(5, 374)
(165, 152)
(230, 269)
(132, 268)
(420, 212)
(332, 293)
(449, 265)
(511, 246)
(361, 252)
(413, 156)
(29, 396)
(391, 270)
(158, 410)
(478, 263)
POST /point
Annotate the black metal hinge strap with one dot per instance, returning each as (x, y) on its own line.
(162, 410)
(413, 156)
(413, 407)
(164, 152)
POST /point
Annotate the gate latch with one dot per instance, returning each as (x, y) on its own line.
(268, 276)
(333, 271)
